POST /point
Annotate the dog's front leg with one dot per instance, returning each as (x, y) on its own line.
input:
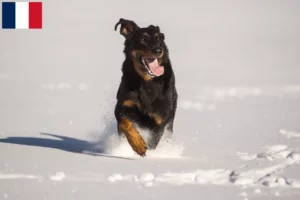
(134, 138)
(125, 125)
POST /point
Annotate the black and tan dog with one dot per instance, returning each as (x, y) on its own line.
(147, 95)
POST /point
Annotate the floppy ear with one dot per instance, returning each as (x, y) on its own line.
(128, 27)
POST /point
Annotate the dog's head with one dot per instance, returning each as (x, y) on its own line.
(145, 46)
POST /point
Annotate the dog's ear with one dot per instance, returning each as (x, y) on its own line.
(128, 27)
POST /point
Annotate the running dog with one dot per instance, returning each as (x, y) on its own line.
(147, 95)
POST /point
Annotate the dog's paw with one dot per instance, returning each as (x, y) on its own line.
(138, 144)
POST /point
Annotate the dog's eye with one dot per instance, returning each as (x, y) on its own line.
(157, 39)
(143, 39)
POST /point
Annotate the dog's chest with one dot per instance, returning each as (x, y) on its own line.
(150, 95)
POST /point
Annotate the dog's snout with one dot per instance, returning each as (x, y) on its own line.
(158, 52)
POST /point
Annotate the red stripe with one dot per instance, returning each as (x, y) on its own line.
(35, 15)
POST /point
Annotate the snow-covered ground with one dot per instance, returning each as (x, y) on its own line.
(237, 129)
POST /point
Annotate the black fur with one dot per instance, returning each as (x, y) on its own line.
(157, 95)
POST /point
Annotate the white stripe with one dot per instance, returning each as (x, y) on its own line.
(22, 15)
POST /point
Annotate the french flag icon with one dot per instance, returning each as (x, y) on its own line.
(22, 15)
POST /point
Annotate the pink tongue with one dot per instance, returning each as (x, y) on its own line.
(155, 68)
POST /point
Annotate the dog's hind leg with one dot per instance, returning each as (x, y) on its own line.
(156, 135)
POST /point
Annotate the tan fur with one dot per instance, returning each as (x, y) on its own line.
(157, 118)
(129, 103)
(124, 31)
(134, 138)
(138, 68)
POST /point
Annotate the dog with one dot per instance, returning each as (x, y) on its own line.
(147, 95)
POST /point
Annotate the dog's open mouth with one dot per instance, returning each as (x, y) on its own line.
(151, 65)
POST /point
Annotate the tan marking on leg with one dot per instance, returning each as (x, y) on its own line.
(133, 137)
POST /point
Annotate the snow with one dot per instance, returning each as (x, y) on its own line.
(290, 134)
(236, 132)
(58, 176)
(266, 176)
(257, 191)
(17, 176)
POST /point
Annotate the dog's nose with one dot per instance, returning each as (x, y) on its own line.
(158, 52)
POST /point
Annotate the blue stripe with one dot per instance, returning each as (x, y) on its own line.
(8, 15)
